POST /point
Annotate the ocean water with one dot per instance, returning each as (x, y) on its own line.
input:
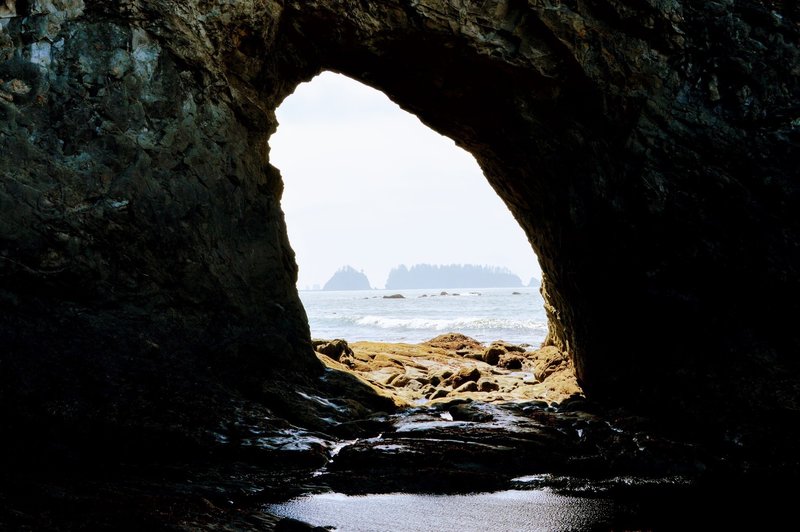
(486, 314)
(505, 511)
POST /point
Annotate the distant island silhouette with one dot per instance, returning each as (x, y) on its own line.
(348, 278)
(451, 276)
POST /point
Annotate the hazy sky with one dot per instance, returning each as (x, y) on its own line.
(368, 185)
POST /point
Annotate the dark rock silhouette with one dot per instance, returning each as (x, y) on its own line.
(347, 278)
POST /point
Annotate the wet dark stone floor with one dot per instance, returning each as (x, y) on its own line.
(461, 447)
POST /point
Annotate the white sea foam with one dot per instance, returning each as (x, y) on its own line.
(490, 314)
(456, 324)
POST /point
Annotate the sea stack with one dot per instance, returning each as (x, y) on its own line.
(348, 278)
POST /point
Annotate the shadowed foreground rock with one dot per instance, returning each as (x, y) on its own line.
(648, 149)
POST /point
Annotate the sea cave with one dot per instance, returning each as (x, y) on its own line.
(157, 367)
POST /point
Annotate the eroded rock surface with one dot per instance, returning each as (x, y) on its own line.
(454, 366)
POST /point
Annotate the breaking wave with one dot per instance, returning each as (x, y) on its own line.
(492, 314)
(457, 324)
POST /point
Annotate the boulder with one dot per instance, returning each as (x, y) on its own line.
(486, 385)
(457, 342)
(510, 348)
(492, 354)
(334, 349)
(464, 375)
(549, 360)
(439, 376)
(508, 361)
(439, 393)
(469, 386)
(497, 349)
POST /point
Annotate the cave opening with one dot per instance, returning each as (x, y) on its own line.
(156, 362)
(405, 249)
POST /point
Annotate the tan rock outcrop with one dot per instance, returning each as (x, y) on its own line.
(412, 374)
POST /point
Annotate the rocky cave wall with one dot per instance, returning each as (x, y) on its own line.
(648, 149)
(147, 278)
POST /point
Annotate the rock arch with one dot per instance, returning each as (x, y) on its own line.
(649, 151)
(639, 175)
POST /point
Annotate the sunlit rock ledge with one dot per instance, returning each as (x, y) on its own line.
(454, 366)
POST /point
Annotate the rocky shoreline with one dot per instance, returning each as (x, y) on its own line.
(454, 366)
(452, 416)
(475, 418)
(472, 418)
